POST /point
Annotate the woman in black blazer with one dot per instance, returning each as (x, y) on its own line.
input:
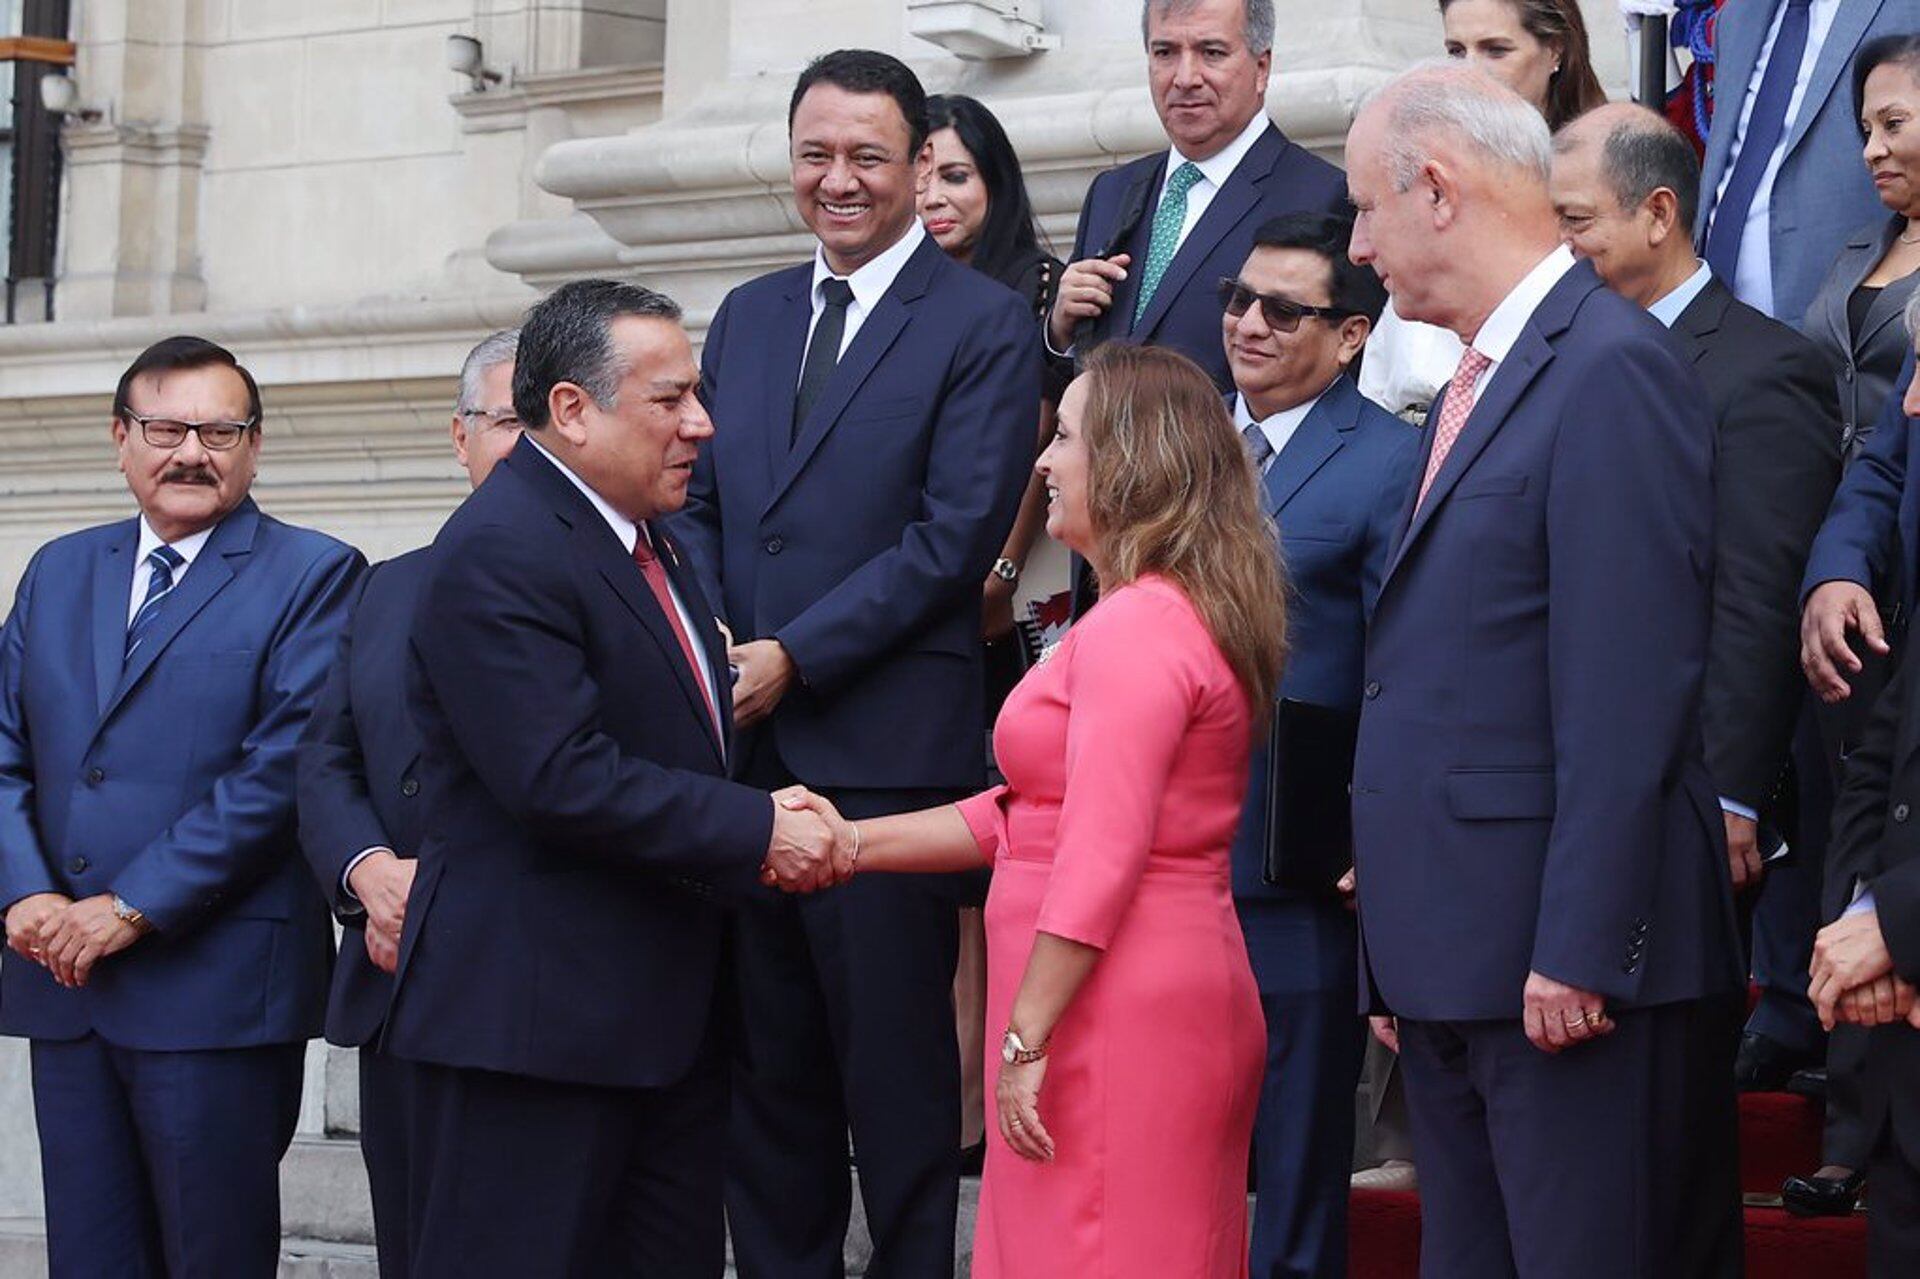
(1855, 314)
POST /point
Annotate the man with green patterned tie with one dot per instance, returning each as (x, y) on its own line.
(1158, 235)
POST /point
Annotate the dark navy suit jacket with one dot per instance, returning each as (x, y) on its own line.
(169, 780)
(861, 547)
(1530, 791)
(1274, 177)
(357, 782)
(1337, 492)
(574, 800)
(1873, 524)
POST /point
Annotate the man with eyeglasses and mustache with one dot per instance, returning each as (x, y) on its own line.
(166, 950)
(1335, 469)
(360, 803)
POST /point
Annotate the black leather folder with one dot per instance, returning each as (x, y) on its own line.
(1309, 812)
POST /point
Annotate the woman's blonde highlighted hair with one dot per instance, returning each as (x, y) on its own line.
(1170, 490)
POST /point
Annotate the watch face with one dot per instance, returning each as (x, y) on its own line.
(1008, 1048)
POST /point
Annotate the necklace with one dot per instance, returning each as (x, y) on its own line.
(1909, 239)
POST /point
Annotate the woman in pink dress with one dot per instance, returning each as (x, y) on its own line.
(1133, 1042)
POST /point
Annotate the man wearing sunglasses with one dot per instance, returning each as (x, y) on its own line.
(166, 950)
(1335, 470)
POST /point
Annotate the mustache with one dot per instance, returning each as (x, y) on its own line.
(190, 475)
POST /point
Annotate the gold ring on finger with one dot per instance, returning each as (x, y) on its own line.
(1595, 1017)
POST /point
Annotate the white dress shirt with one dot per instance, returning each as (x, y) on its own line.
(1502, 327)
(1279, 428)
(187, 548)
(869, 284)
(1753, 272)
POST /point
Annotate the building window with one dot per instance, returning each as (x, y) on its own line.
(34, 44)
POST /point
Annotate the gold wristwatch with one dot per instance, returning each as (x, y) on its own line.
(127, 913)
(1016, 1053)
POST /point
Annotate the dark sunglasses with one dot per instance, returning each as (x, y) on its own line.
(1283, 315)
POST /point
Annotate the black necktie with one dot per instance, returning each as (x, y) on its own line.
(823, 352)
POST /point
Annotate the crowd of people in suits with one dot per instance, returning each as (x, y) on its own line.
(1489, 574)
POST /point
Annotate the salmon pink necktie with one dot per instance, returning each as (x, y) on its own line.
(656, 575)
(1453, 414)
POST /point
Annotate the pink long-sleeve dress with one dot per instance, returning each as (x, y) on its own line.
(1126, 762)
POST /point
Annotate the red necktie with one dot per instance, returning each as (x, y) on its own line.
(1453, 415)
(656, 575)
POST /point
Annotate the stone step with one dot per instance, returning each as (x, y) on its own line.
(323, 1191)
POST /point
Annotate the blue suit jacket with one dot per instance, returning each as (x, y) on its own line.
(169, 780)
(1336, 491)
(1873, 524)
(575, 808)
(1275, 177)
(862, 547)
(1530, 791)
(356, 778)
(1823, 190)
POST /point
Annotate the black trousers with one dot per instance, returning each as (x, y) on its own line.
(846, 1026)
(1893, 1211)
(544, 1180)
(1550, 1166)
(1711, 1227)
(386, 1112)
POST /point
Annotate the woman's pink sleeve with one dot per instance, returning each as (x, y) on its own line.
(986, 817)
(1130, 695)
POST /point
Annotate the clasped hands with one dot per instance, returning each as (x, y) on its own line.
(813, 847)
(1853, 977)
(68, 937)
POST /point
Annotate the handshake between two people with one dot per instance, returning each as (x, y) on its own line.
(813, 847)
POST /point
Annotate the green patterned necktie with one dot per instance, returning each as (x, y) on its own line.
(1167, 221)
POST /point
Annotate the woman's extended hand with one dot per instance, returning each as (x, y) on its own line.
(846, 842)
(1018, 1096)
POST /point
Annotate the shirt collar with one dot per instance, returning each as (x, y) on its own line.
(1280, 427)
(186, 548)
(1668, 309)
(1218, 167)
(623, 528)
(871, 282)
(1502, 328)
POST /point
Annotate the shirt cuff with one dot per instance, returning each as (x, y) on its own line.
(1738, 809)
(346, 876)
(1046, 335)
(1861, 904)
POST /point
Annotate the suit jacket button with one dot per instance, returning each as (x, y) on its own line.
(1900, 812)
(1373, 689)
(95, 776)
(410, 788)
(78, 866)
(775, 546)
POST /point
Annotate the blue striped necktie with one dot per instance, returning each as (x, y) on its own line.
(164, 560)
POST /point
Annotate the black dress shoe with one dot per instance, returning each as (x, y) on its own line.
(1809, 1083)
(1765, 1065)
(1815, 1196)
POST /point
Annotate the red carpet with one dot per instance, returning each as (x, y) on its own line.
(1780, 1135)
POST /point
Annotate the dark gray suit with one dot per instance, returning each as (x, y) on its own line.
(1866, 363)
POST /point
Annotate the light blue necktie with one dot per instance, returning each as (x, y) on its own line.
(1259, 447)
(164, 560)
(1167, 221)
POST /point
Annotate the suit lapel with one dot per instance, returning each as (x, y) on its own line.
(1738, 50)
(1318, 438)
(1854, 266)
(686, 582)
(112, 595)
(786, 341)
(1135, 243)
(219, 560)
(1850, 23)
(875, 338)
(1701, 319)
(1236, 198)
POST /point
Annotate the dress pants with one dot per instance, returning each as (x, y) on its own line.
(543, 1180)
(1562, 1166)
(163, 1164)
(1711, 1225)
(386, 1097)
(1786, 916)
(1305, 961)
(846, 1025)
(1893, 1212)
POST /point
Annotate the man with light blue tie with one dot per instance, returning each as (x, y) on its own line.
(166, 950)
(1782, 173)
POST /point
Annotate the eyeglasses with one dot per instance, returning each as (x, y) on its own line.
(170, 433)
(1283, 315)
(502, 419)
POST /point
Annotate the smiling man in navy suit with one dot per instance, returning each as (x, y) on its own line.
(1335, 469)
(1543, 882)
(167, 951)
(875, 411)
(360, 803)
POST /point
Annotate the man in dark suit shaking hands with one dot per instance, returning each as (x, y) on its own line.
(559, 969)
(1543, 885)
(875, 408)
(1156, 236)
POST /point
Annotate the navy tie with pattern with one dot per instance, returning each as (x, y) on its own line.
(1766, 124)
(164, 560)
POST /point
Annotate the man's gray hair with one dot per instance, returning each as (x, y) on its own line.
(1471, 107)
(494, 350)
(1257, 30)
